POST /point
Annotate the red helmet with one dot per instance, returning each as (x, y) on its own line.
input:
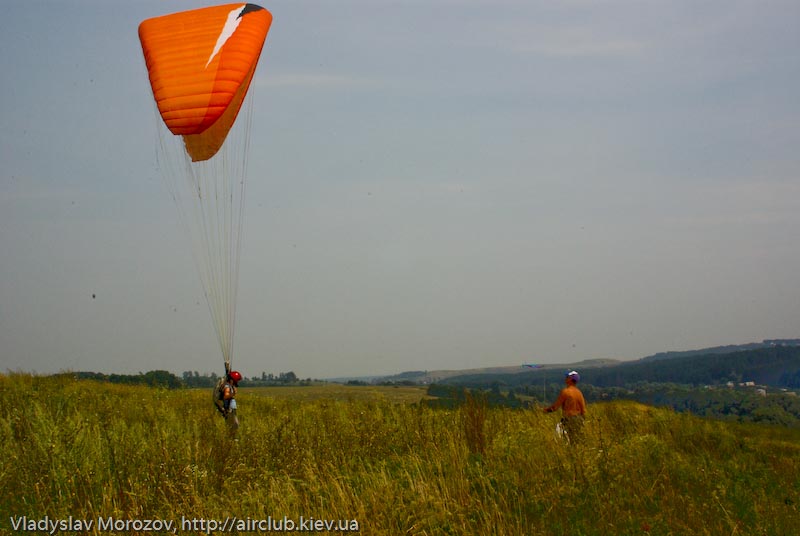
(235, 376)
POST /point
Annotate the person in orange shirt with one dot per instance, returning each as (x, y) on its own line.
(573, 407)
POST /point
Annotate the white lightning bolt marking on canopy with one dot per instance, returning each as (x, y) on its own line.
(227, 31)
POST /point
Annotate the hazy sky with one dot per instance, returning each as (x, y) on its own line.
(433, 184)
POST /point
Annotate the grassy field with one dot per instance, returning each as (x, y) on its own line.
(369, 457)
(402, 394)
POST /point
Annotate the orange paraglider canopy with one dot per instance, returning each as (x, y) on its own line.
(200, 64)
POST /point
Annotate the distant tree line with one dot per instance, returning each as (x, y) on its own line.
(195, 379)
(755, 405)
(731, 404)
(153, 378)
(166, 379)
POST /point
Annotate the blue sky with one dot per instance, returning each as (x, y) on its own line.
(432, 185)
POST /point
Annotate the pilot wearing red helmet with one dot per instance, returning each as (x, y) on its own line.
(229, 398)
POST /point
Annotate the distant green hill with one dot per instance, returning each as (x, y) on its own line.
(777, 366)
(727, 349)
(774, 366)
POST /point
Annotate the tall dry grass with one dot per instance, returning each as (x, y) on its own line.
(87, 449)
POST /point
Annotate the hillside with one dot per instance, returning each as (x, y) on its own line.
(777, 366)
(447, 376)
(774, 366)
(727, 349)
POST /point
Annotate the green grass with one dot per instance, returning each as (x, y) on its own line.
(400, 393)
(89, 450)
